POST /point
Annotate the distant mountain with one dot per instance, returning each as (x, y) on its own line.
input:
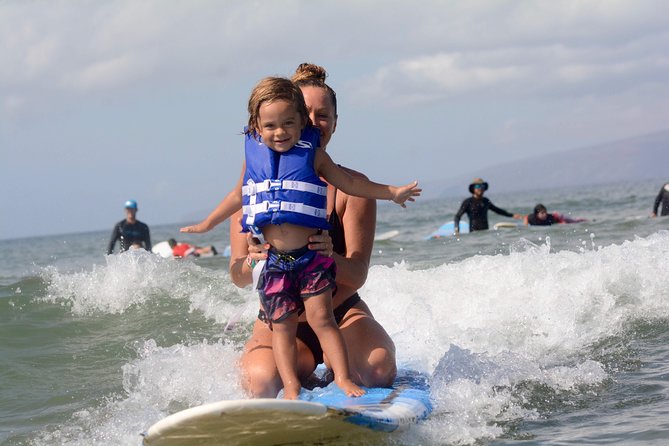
(632, 159)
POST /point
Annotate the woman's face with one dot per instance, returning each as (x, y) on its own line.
(321, 111)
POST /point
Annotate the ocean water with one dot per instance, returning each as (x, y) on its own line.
(530, 335)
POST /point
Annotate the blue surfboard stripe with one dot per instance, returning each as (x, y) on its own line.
(381, 409)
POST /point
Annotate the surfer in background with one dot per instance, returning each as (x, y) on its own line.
(541, 217)
(662, 198)
(130, 232)
(295, 279)
(476, 207)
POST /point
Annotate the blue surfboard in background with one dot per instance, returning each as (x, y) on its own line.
(447, 230)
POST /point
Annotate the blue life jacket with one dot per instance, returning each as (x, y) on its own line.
(283, 187)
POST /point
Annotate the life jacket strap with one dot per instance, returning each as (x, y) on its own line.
(271, 185)
(273, 206)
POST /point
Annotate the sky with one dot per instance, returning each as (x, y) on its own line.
(104, 101)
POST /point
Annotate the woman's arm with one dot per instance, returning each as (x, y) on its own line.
(358, 219)
(243, 252)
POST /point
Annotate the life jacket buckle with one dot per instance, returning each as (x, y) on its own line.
(251, 188)
(272, 206)
(272, 185)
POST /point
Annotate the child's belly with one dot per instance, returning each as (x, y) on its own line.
(287, 237)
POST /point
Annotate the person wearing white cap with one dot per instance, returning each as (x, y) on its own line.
(130, 232)
(662, 197)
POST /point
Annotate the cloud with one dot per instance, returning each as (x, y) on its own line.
(453, 47)
(108, 73)
(554, 69)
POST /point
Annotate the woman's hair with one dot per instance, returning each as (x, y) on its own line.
(272, 89)
(310, 75)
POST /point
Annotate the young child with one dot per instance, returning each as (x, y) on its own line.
(283, 197)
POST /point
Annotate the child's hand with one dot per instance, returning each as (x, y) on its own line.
(406, 193)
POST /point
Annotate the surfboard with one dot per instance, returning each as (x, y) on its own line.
(505, 225)
(162, 249)
(447, 230)
(226, 251)
(386, 235)
(319, 415)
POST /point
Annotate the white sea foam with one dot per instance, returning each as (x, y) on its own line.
(483, 328)
(157, 383)
(133, 278)
(489, 323)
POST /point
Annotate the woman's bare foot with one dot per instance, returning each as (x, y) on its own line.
(349, 387)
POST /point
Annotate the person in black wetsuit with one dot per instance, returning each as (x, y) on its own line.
(130, 231)
(476, 207)
(662, 198)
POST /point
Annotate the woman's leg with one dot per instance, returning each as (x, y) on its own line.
(371, 352)
(318, 309)
(260, 376)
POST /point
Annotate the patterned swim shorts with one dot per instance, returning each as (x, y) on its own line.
(289, 277)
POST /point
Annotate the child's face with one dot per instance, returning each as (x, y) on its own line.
(279, 125)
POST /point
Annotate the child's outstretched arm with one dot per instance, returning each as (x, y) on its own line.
(226, 208)
(360, 186)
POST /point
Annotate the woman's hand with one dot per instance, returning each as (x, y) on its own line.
(198, 228)
(321, 243)
(257, 250)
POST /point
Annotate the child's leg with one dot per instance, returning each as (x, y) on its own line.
(318, 309)
(284, 345)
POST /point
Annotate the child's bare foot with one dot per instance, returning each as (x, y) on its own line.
(350, 388)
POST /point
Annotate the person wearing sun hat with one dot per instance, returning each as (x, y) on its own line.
(476, 207)
(130, 232)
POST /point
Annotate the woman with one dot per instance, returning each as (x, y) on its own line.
(353, 220)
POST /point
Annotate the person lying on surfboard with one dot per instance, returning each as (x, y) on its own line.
(182, 250)
(284, 198)
(541, 217)
(476, 207)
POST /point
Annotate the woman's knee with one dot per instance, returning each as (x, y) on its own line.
(379, 369)
(259, 382)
